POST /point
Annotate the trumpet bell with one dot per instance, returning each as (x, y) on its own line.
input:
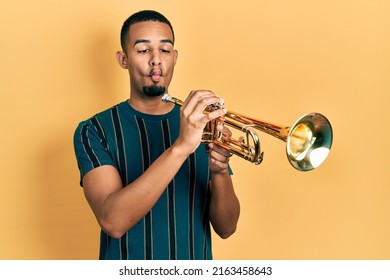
(309, 141)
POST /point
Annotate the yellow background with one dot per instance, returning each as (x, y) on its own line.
(274, 60)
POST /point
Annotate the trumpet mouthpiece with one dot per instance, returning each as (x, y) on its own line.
(166, 97)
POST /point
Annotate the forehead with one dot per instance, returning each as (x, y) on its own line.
(149, 30)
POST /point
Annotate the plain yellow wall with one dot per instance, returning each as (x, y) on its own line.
(274, 60)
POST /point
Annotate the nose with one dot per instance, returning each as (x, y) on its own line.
(155, 59)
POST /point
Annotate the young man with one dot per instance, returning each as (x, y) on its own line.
(153, 188)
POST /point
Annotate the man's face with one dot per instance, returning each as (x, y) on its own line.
(150, 57)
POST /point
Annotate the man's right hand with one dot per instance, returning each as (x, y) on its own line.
(193, 119)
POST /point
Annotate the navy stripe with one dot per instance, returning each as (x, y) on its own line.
(144, 143)
(192, 170)
(100, 131)
(120, 145)
(122, 169)
(87, 147)
(206, 223)
(166, 135)
(105, 241)
(146, 164)
(171, 199)
(148, 236)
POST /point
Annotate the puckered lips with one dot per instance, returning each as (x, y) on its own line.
(155, 75)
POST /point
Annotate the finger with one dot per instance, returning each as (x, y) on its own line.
(191, 101)
(195, 95)
(220, 150)
(222, 128)
(214, 114)
(205, 101)
(219, 154)
(219, 164)
(205, 93)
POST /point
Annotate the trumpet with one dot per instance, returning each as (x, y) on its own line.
(308, 140)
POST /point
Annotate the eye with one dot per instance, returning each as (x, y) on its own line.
(143, 51)
(165, 51)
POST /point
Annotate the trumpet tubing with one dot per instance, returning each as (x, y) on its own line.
(308, 140)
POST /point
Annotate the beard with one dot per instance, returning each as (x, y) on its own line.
(153, 91)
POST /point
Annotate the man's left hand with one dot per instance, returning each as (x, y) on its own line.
(219, 157)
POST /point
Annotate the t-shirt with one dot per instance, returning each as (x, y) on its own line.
(177, 227)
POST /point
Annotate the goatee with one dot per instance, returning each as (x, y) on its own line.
(153, 91)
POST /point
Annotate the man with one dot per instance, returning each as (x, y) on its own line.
(153, 188)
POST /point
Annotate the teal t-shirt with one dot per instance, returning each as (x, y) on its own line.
(177, 227)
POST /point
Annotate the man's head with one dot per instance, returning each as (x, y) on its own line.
(147, 41)
(142, 16)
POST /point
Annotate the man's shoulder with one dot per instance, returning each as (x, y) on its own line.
(106, 113)
(100, 117)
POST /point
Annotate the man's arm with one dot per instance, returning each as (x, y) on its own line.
(224, 204)
(118, 208)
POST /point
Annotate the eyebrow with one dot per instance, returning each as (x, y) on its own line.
(139, 41)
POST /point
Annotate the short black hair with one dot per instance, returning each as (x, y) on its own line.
(142, 16)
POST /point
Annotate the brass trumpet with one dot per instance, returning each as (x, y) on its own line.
(309, 139)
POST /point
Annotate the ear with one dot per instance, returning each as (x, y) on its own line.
(121, 57)
(176, 54)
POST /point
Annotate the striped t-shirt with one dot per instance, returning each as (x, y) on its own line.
(177, 227)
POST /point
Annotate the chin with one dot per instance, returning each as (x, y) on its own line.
(154, 90)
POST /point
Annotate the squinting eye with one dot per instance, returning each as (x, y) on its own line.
(165, 51)
(143, 51)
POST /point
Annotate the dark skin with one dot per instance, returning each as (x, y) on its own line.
(150, 59)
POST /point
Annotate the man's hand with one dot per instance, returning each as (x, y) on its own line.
(219, 157)
(193, 119)
(224, 204)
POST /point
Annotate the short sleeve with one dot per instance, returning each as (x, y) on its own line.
(90, 149)
(230, 170)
